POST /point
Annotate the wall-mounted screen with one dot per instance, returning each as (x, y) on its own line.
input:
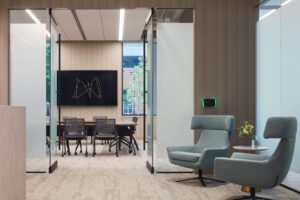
(87, 87)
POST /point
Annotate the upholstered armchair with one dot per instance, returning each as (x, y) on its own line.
(216, 131)
(260, 170)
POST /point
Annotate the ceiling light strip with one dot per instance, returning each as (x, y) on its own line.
(268, 14)
(121, 23)
(286, 2)
(36, 20)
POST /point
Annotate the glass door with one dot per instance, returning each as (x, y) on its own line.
(54, 57)
(149, 94)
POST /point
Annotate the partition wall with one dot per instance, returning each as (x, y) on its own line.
(277, 73)
(33, 64)
(170, 71)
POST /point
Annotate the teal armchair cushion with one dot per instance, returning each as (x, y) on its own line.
(214, 142)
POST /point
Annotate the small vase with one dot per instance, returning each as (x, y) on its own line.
(254, 142)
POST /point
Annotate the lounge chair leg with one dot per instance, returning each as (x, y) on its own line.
(188, 179)
(200, 177)
(252, 196)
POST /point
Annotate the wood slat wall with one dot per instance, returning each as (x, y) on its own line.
(224, 48)
(93, 56)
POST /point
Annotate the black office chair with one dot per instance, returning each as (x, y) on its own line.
(74, 129)
(94, 119)
(134, 119)
(105, 129)
(125, 132)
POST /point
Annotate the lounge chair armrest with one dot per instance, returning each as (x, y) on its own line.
(181, 148)
(208, 157)
(254, 173)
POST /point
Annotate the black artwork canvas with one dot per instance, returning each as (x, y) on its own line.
(87, 87)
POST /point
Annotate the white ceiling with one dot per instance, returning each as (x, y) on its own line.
(100, 24)
(66, 25)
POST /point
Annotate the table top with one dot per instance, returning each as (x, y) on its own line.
(118, 123)
(250, 148)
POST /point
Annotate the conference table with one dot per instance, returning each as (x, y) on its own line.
(124, 128)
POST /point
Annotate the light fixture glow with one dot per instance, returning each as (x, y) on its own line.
(286, 2)
(36, 20)
(268, 14)
(148, 17)
(47, 34)
(121, 24)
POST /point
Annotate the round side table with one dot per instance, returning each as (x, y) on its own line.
(251, 149)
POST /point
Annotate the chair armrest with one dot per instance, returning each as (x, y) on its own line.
(249, 156)
(208, 157)
(181, 148)
(253, 173)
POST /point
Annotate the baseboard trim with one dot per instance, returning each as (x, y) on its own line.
(290, 188)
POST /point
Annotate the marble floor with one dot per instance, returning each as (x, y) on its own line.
(108, 177)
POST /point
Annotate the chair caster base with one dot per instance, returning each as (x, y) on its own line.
(252, 196)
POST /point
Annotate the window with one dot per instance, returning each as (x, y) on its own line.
(133, 80)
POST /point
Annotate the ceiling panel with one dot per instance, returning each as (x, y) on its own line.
(134, 24)
(110, 21)
(67, 25)
(20, 16)
(91, 24)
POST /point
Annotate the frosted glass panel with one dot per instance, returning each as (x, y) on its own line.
(28, 86)
(175, 91)
(278, 72)
(268, 75)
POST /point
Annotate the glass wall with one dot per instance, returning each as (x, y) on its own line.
(149, 96)
(278, 71)
(28, 42)
(175, 83)
(53, 94)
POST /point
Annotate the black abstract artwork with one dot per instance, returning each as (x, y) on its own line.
(87, 87)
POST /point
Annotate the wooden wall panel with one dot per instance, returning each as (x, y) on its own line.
(224, 48)
(96, 56)
(3, 52)
(93, 56)
(13, 152)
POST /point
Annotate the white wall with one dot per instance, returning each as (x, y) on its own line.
(28, 82)
(175, 85)
(278, 72)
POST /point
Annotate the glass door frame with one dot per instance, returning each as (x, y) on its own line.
(53, 91)
(148, 91)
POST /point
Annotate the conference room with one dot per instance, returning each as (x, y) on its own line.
(99, 67)
(168, 100)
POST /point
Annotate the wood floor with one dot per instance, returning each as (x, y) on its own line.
(125, 177)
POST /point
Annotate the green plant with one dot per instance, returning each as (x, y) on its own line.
(246, 129)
